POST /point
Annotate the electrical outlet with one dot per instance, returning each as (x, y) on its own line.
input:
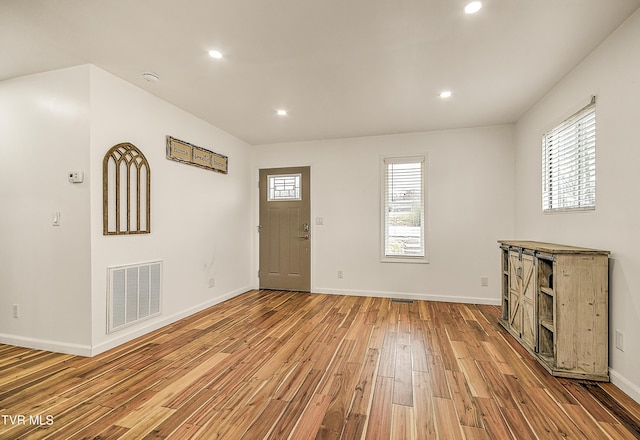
(16, 311)
(212, 282)
(340, 274)
(619, 340)
(484, 281)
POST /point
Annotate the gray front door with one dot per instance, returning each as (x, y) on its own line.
(285, 228)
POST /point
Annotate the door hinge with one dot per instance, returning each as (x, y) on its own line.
(258, 274)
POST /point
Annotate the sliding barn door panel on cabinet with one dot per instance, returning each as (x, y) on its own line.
(555, 303)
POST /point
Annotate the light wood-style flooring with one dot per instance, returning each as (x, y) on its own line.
(278, 365)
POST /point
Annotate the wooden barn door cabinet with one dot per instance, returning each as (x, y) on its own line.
(555, 302)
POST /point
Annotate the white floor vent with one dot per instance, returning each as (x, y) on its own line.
(133, 294)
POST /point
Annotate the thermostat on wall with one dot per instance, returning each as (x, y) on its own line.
(76, 176)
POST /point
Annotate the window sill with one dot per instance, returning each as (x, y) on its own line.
(410, 260)
(569, 210)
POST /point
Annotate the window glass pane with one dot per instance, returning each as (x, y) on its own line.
(404, 208)
(284, 187)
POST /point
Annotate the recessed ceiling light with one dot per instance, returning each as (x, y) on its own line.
(215, 54)
(150, 76)
(473, 7)
(281, 112)
(446, 94)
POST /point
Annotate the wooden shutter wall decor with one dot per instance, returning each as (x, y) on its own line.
(126, 188)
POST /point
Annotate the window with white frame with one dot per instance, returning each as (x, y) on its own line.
(569, 163)
(403, 217)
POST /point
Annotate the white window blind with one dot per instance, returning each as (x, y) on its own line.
(569, 163)
(404, 209)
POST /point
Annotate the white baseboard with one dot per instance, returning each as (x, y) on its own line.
(88, 350)
(625, 385)
(155, 325)
(415, 296)
(43, 344)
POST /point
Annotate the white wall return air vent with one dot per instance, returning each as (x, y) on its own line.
(134, 294)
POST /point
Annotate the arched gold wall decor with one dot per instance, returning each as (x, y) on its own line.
(126, 191)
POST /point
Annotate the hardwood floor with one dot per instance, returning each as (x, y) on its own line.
(279, 365)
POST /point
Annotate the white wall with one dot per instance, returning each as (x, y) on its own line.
(45, 269)
(469, 207)
(200, 219)
(55, 122)
(612, 72)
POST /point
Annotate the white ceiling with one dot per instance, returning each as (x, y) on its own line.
(342, 68)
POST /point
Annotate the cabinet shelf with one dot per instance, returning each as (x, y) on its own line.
(546, 359)
(547, 291)
(548, 324)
